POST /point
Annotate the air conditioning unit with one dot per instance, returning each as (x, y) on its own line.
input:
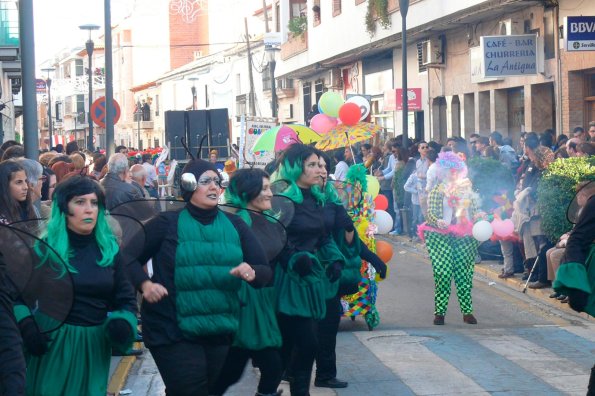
(510, 26)
(432, 51)
(334, 79)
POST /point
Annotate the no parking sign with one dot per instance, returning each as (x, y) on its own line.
(98, 111)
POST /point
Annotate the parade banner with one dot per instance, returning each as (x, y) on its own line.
(251, 129)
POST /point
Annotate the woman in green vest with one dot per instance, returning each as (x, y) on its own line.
(301, 279)
(191, 308)
(258, 337)
(75, 358)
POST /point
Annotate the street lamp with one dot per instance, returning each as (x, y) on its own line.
(48, 84)
(404, 7)
(193, 90)
(272, 64)
(139, 114)
(89, 45)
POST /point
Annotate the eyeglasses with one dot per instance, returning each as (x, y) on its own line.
(205, 181)
(423, 147)
(472, 141)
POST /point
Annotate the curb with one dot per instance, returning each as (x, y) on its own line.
(491, 270)
(118, 378)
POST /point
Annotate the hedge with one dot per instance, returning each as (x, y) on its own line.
(556, 190)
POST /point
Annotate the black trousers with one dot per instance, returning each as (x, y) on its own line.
(300, 342)
(189, 369)
(267, 360)
(326, 358)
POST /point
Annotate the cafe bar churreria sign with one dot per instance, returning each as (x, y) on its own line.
(516, 55)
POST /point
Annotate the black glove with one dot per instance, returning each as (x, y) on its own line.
(577, 299)
(119, 331)
(333, 271)
(35, 341)
(378, 265)
(303, 265)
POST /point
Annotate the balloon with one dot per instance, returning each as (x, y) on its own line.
(503, 228)
(380, 202)
(349, 114)
(322, 123)
(362, 103)
(373, 186)
(482, 230)
(384, 250)
(383, 221)
(329, 103)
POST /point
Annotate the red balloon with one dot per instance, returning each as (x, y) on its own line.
(380, 202)
(384, 250)
(349, 113)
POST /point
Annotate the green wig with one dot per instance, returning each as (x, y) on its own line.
(357, 174)
(291, 167)
(56, 234)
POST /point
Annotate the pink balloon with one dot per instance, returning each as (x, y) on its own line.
(322, 123)
(502, 228)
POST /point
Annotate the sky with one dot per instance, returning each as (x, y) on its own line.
(57, 22)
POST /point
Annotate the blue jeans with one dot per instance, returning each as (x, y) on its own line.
(417, 218)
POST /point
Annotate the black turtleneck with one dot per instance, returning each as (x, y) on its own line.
(161, 241)
(97, 290)
(306, 230)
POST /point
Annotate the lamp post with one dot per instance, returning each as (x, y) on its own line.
(139, 114)
(48, 84)
(193, 90)
(404, 7)
(272, 64)
(89, 45)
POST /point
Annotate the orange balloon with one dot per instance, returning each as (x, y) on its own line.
(384, 250)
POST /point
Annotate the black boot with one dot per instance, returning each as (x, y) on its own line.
(300, 384)
(591, 388)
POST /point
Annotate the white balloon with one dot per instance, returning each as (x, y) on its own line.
(362, 103)
(383, 222)
(482, 230)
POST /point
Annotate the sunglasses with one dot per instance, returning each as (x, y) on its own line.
(423, 147)
(205, 181)
(472, 141)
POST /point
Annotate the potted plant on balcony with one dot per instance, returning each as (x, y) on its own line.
(298, 25)
(377, 11)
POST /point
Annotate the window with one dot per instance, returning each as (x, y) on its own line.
(58, 111)
(240, 105)
(307, 93)
(336, 7)
(298, 8)
(156, 106)
(421, 62)
(80, 105)
(316, 11)
(79, 69)
(318, 89)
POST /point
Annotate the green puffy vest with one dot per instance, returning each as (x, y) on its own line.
(207, 294)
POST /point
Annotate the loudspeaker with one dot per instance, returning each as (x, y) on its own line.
(175, 130)
(197, 129)
(219, 121)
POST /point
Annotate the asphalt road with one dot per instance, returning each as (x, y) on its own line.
(519, 347)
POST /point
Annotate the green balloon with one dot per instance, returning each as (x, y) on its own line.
(329, 103)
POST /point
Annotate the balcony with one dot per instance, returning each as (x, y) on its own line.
(294, 45)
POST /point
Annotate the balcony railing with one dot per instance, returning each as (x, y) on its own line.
(294, 45)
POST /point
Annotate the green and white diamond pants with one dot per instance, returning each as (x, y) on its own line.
(452, 256)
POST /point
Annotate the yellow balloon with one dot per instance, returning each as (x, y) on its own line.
(373, 186)
(377, 277)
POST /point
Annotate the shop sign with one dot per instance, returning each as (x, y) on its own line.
(580, 33)
(393, 99)
(515, 55)
(476, 66)
(251, 129)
